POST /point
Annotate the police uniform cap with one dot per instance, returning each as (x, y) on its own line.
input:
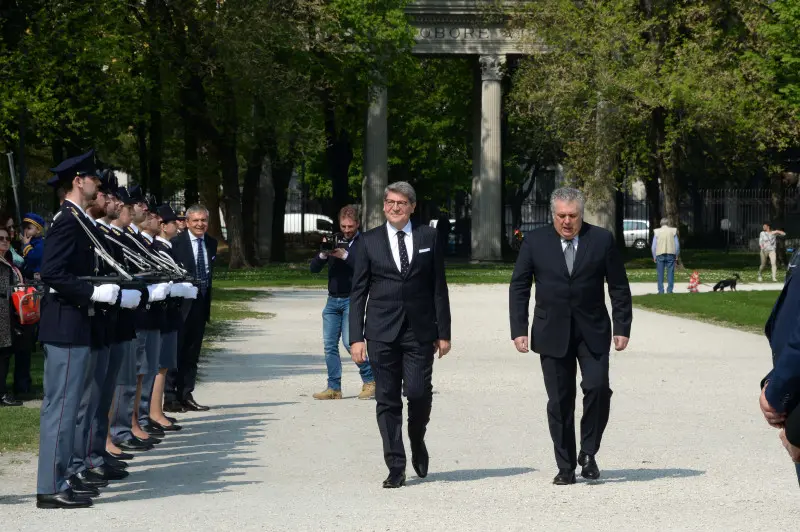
(135, 192)
(125, 197)
(80, 165)
(167, 214)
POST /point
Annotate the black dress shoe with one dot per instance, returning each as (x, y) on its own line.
(88, 478)
(190, 404)
(134, 444)
(149, 441)
(173, 406)
(64, 499)
(172, 427)
(109, 473)
(118, 456)
(419, 459)
(153, 431)
(590, 470)
(395, 479)
(113, 462)
(564, 477)
(80, 489)
(8, 400)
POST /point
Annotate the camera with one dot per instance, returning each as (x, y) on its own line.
(335, 241)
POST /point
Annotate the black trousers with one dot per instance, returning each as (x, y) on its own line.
(404, 366)
(559, 381)
(180, 382)
(21, 347)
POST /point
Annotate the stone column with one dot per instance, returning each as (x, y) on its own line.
(475, 210)
(486, 245)
(376, 159)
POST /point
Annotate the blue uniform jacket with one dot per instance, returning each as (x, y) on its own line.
(32, 254)
(65, 306)
(783, 331)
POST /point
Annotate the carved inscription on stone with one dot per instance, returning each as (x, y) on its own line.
(455, 33)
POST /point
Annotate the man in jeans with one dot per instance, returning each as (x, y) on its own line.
(766, 241)
(666, 249)
(335, 316)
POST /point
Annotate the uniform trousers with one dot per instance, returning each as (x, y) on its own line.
(66, 369)
(106, 385)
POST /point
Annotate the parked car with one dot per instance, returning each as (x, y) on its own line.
(636, 233)
(314, 223)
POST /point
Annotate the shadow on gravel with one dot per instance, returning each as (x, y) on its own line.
(642, 475)
(210, 454)
(17, 499)
(237, 367)
(465, 475)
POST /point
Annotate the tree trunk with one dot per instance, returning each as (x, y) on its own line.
(338, 156)
(281, 174)
(266, 210)
(156, 126)
(250, 196)
(191, 189)
(209, 197)
(232, 200)
(777, 214)
(141, 138)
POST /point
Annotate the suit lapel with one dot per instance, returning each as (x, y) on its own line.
(583, 244)
(416, 239)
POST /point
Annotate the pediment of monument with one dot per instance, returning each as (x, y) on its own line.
(473, 27)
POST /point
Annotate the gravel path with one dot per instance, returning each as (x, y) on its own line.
(686, 447)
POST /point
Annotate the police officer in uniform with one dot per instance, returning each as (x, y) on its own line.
(65, 330)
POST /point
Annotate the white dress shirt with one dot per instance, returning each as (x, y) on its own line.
(147, 237)
(165, 242)
(574, 243)
(194, 240)
(408, 239)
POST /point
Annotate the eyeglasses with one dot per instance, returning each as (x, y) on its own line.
(392, 203)
(5, 239)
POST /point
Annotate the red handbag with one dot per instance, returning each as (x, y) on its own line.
(25, 300)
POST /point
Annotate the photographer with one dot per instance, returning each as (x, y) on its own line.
(340, 255)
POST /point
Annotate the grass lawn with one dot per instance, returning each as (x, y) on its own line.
(741, 310)
(19, 427)
(712, 266)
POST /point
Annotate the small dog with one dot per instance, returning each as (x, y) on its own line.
(727, 283)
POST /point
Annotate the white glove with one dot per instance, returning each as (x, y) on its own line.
(158, 292)
(177, 290)
(191, 292)
(105, 293)
(131, 298)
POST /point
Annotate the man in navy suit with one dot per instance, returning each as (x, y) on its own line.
(195, 251)
(406, 320)
(780, 389)
(571, 262)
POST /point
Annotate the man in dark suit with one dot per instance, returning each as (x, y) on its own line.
(571, 261)
(195, 251)
(780, 389)
(401, 271)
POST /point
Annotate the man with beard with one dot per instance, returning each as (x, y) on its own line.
(65, 329)
(94, 474)
(116, 354)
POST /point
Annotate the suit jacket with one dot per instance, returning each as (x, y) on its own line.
(783, 332)
(421, 296)
(183, 255)
(562, 299)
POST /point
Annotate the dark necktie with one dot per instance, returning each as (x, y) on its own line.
(403, 252)
(569, 255)
(202, 276)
